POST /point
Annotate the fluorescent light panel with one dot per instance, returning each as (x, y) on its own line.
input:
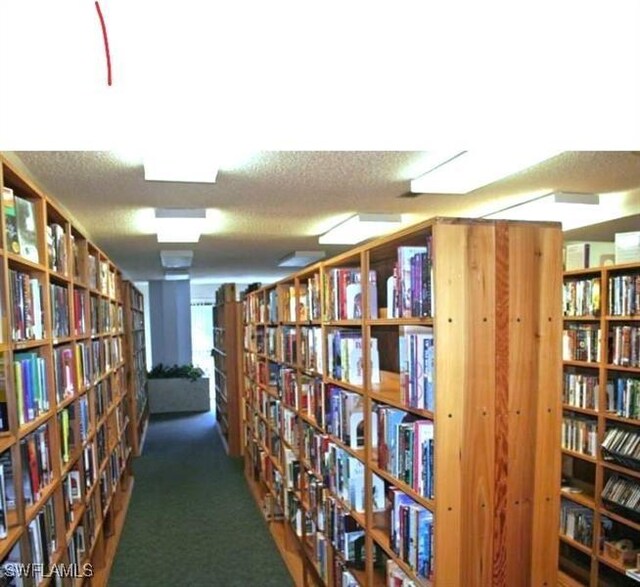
(180, 225)
(176, 275)
(470, 170)
(301, 258)
(180, 166)
(176, 259)
(361, 227)
(572, 209)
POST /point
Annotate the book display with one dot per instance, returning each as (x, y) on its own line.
(227, 352)
(65, 456)
(600, 520)
(134, 340)
(405, 432)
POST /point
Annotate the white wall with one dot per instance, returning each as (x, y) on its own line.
(170, 318)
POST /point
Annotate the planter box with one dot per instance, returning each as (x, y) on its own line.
(178, 395)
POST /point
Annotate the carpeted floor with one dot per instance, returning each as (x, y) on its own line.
(192, 521)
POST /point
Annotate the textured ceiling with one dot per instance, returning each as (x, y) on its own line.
(272, 203)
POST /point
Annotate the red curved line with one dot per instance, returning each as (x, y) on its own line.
(106, 42)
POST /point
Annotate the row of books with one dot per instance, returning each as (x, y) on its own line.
(409, 292)
(28, 310)
(72, 494)
(287, 350)
(74, 424)
(37, 466)
(580, 434)
(290, 427)
(343, 475)
(625, 346)
(8, 514)
(581, 297)
(343, 294)
(311, 349)
(106, 316)
(624, 295)
(406, 448)
(405, 442)
(344, 416)
(416, 354)
(30, 386)
(580, 390)
(312, 398)
(78, 366)
(412, 533)
(42, 539)
(273, 307)
(100, 276)
(57, 249)
(343, 531)
(20, 225)
(60, 318)
(334, 487)
(395, 576)
(409, 289)
(79, 312)
(581, 342)
(623, 397)
(345, 361)
(310, 308)
(576, 522)
(27, 304)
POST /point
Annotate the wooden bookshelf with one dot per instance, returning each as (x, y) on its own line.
(601, 393)
(135, 346)
(227, 353)
(328, 362)
(65, 450)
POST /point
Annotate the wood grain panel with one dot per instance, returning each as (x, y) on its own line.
(501, 437)
(479, 429)
(523, 366)
(450, 326)
(549, 410)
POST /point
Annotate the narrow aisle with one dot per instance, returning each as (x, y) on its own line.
(192, 521)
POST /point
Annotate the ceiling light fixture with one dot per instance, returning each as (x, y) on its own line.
(466, 171)
(176, 275)
(572, 209)
(180, 225)
(194, 167)
(361, 227)
(176, 259)
(301, 258)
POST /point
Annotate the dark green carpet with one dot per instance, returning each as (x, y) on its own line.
(192, 521)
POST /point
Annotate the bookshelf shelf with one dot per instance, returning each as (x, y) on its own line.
(227, 360)
(610, 295)
(53, 370)
(575, 544)
(464, 395)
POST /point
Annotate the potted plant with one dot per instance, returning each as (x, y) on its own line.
(178, 388)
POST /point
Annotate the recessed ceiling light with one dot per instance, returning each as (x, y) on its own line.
(301, 258)
(176, 259)
(180, 225)
(180, 166)
(361, 227)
